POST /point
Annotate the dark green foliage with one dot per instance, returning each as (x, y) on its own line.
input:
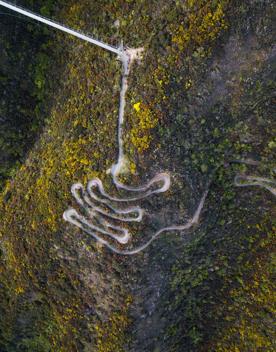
(207, 77)
(25, 57)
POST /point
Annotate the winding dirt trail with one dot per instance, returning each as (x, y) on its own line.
(102, 209)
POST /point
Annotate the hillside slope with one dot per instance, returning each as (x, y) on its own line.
(201, 97)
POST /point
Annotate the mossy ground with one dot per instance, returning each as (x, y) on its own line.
(201, 96)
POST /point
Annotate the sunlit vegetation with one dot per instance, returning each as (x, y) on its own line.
(200, 97)
(111, 335)
(143, 122)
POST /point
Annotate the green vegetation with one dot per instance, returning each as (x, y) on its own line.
(201, 96)
(26, 57)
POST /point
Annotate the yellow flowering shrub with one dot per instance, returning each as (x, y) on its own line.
(144, 121)
(111, 334)
(202, 25)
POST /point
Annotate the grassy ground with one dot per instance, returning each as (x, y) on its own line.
(201, 96)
